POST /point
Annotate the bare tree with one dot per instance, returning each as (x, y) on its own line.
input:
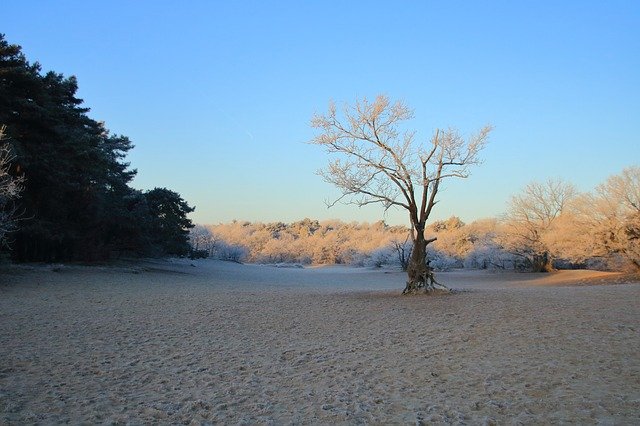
(379, 164)
(607, 222)
(10, 189)
(623, 192)
(202, 240)
(403, 251)
(530, 221)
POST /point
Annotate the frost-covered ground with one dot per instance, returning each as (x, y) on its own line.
(219, 342)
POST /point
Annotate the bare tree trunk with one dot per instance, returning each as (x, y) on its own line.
(420, 274)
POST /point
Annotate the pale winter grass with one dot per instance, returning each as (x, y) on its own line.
(226, 343)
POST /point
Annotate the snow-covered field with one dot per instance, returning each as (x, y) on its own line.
(168, 342)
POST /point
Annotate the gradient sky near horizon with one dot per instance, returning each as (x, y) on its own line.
(217, 96)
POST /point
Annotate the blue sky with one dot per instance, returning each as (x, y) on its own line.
(217, 96)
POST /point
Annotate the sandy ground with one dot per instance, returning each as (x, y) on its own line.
(226, 343)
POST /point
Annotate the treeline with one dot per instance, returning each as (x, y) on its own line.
(548, 225)
(304, 242)
(74, 200)
(308, 242)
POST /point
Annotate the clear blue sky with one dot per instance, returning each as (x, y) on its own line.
(217, 96)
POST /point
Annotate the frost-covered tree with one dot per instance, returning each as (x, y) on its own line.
(380, 164)
(619, 204)
(530, 220)
(606, 223)
(402, 249)
(10, 189)
(202, 241)
(455, 238)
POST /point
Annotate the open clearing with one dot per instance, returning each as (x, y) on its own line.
(219, 342)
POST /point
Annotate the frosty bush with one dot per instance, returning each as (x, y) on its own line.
(205, 244)
(229, 252)
(490, 256)
(440, 261)
(381, 257)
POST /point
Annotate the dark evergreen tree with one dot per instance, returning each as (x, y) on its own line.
(169, 222)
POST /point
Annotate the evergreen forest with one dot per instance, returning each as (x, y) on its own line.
(74, 200)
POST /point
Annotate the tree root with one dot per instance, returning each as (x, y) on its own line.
(427, 284)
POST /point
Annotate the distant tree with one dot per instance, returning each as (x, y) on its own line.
(169, 222)
(305, 228)
(606, 223)
(403, 251)
(530, 221)
(454, 237)
(202, 241)
(619, 201)
(10, 189)
(452, 223)
(381, 165)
